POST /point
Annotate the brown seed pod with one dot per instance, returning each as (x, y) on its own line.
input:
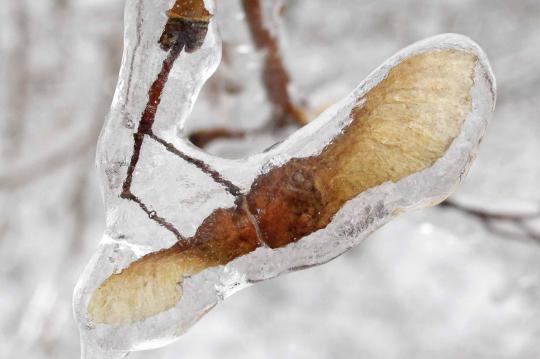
(402, 126)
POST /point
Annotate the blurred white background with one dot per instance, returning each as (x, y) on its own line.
(457, 281)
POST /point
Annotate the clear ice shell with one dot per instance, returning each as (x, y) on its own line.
(130, 234)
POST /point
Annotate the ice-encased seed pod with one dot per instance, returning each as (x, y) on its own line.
(402, 140)
(402, 126)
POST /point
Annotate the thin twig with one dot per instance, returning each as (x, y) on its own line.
(185, 30)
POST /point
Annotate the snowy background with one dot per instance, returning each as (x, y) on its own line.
(456, 281)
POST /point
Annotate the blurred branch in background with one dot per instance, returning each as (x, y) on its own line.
(509, 225)
(57, 83)
(273, 74)
(461, 280)
(19, 62)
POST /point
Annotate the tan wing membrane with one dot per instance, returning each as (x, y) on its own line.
(402, 126)
(148, 287)
(152, 284)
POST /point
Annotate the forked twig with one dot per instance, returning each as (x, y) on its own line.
(185, 30)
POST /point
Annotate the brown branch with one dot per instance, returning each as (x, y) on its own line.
(148, 116)
(204, 137)
(275, 78)
(185, 30)
(216, 176)
(153, 215)
(489, 215)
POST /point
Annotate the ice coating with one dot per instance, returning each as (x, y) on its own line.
(191, 201)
